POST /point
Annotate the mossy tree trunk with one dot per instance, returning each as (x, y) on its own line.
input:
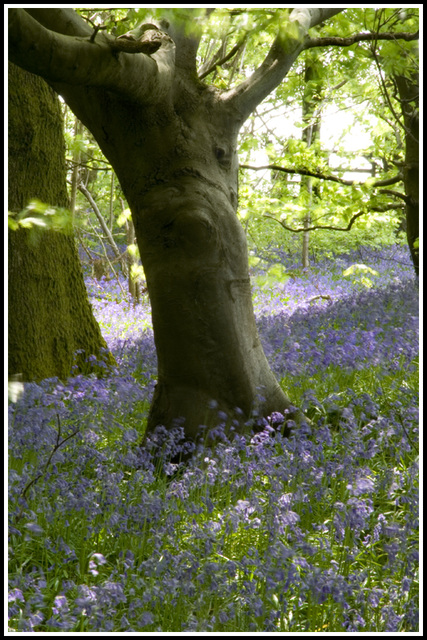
(50, 316)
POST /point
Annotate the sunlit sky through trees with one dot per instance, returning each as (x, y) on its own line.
(337, 127)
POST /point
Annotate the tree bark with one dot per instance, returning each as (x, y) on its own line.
(177, 164)
(49, 313)
(78, 130)
(310, 134)
(132, 260)
(408, 89)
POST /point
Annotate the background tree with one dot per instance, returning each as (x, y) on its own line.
(310, 135)
(50, 317)
(352, 77)
(172, 141)
(399, 83)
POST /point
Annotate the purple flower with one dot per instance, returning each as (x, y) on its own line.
(15, 594)
(86, 599)
(391, 619)
(60, 605)
(374, 597)
(361, 485)
(357, 513)
(35, 528)
(96, 560)
(145, 619)
(285, 501)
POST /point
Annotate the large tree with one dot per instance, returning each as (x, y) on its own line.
(50, 317)
(171, 139)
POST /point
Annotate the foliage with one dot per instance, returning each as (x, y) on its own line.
(361, 271)
(38, 215)
(350, 84)
(376, 229)
(317, 532)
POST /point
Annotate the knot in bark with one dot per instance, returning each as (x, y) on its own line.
(147, 38)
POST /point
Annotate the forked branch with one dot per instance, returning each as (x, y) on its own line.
(60, 58)
(285, 49)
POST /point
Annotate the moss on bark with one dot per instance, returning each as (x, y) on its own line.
(50, 316)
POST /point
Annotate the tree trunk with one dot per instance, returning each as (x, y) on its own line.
(208, 348)
(49, 313)
(178, 167)
(171, 140)
(409, 97)
(310, 134)
(133, 283)
(78, 130)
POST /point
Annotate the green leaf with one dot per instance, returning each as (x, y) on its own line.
(132, 249)
(11, 223)
(278, 271)
(276, 274)
(137, 272)
(29, 222)
(359, 268)
(367, 282)
(123, 217)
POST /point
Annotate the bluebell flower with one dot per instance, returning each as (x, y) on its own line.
(60, 605)
(34, 528)
(374, 597)
(391, 619)
(361, 485)
(15, 594)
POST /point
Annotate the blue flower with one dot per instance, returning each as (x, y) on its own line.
(15, 594)
(60, 605)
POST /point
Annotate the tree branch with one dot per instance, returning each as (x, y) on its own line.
(75, 60)
(380, 209)
(185, 29)
(102, 222)
(32, 482)
(65, 21)
(284, 51)
(109, 261)
(327, 227)
(322, 176)
(333, 41)
(397, 194)
(229, 55)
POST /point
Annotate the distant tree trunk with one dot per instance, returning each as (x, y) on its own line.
(310, 134)
(408, 90)
(306, 234)
(133, 283)
(50, 316)
(78, 129)
(111, 201)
